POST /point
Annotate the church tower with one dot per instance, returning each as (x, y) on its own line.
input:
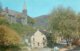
(1, 9)
(24, 8)
(24, 11)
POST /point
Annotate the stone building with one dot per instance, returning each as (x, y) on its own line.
(38, 40)
(14, 16)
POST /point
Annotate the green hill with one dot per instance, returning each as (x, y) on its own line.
(42, 22)
(19, 28)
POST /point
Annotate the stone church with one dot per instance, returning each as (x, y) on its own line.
(15, 17)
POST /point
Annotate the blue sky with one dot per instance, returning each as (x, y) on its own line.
(40, 7)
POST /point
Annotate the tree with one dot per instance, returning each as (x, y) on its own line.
(63, 21)
(31, 21)
(78, 24)
(8, 38)
(3, 21)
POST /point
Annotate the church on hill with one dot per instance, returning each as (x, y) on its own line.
(15, 17)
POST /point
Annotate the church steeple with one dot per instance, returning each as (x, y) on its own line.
(24, 8)
(1, 9)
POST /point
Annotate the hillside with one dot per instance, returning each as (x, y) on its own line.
(42, 21)
(17, 27)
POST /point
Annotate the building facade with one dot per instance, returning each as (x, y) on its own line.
(16, 17)
(38, 40)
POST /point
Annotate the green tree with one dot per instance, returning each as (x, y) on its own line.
(63, 21)
(8, 38)
(31, 21)
(78, 25)
(3, 21)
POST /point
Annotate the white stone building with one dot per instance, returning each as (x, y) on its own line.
(38, 40)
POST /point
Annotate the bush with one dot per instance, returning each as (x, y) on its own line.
(9, 39)
(9, 48)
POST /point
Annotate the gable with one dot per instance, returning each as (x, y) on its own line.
(38, 33)
(38, 37)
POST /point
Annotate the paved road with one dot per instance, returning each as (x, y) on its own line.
(48, 49)
(43, 49)
(63, 49)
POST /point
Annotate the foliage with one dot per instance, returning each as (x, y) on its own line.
(65, 22)
(11, 34)
(8, 38)
(41, 22)
(22, 30)
(31, 21)
(3, 21)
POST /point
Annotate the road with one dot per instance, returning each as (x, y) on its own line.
(63, 49)
(48, 49)
(43, 49)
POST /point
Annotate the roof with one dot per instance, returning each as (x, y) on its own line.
(42, 31)
(45, 32)
(16, 13)
(12, 12)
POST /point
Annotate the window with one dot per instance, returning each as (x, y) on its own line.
(43, 38)
(18, 20)
(38, 43)
(33, 39)
(43, 43)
